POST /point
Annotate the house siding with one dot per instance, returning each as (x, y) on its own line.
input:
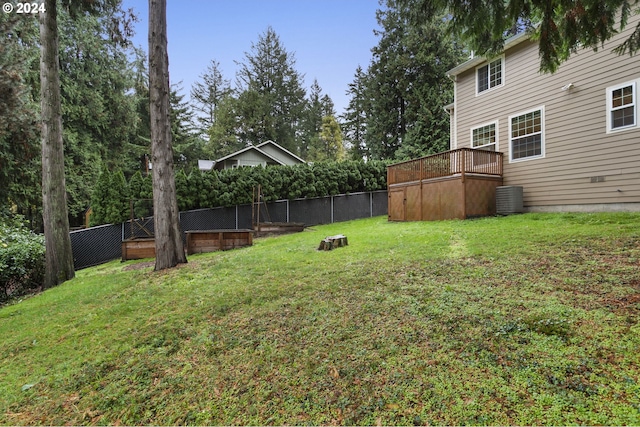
(577, 146)
(248, 158)
(279, 154)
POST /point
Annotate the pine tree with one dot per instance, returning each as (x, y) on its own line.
(188, 146)
(407, 85)
(354, 119)
(272, 97)
(209, 93)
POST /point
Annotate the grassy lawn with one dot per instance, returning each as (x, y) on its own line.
(528, 319)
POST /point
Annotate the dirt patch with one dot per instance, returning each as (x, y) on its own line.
(628, 303)
(139, 265)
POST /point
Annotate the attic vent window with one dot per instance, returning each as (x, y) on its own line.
(489, 75)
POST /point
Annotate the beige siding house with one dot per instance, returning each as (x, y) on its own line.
(570, 139)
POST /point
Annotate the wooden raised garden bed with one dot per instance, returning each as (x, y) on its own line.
(197, 242)
(138, 248)
(217, 240)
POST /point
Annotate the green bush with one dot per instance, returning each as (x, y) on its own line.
(21, 259)
(229, 187)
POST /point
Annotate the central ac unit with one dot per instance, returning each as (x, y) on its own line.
(509, 200)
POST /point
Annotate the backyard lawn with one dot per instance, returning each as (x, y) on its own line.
(527, 319)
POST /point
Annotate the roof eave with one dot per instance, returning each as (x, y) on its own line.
(474, 62)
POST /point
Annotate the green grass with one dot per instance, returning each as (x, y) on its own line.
(528, 319)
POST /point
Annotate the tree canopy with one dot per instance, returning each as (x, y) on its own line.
(561, 27)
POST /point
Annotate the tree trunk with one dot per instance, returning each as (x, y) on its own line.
(59, 257)
(169, 245)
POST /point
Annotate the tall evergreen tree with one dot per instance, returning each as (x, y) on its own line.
(407, 85)
(311, 124)
(354, 119)
(223, 135)
(168, 237)
(208, 94)
(188, 146)
(99, 111)
(58, 253)
(19, 129)
(329, 143)
(272, 98)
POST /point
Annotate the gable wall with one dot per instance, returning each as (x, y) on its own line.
(275, 152)
(247, 158)
(577, 146)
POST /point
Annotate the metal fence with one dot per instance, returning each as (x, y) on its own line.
(97, 245)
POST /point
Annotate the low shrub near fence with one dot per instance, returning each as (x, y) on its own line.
(21, 259)
(230, 187)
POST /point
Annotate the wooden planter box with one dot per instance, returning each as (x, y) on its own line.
(275, 228)
(138, 248)
(197, 242)
(217, 240)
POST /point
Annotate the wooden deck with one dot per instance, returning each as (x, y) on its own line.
(455, 184)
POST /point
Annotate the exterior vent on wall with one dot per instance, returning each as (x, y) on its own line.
(509, 200)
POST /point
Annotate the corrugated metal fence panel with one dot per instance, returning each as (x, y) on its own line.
(100, 244)
(96, 245)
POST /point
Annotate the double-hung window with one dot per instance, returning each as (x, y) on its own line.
(526, 135)
(489, 75)
(484, 138)
(621, 107)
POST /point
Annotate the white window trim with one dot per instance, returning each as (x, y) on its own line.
(502, 80)
(497, 143)
(609, 97)
(542, 136)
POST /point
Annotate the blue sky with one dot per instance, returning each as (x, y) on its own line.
(329, 38)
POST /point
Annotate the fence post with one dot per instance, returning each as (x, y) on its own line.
(370, 204)
(331, 209)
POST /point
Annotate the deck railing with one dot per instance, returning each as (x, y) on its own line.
(454, 162)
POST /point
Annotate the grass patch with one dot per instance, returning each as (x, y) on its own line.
(528, 319)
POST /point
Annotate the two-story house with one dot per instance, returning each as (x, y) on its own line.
(571, 139)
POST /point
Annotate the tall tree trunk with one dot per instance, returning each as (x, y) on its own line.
(169, 245)
(59, 257)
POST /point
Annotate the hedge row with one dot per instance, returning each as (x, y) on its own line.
(21, 259)
(229, 187)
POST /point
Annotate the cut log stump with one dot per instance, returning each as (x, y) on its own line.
(331, 242)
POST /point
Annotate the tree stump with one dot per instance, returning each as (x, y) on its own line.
(331, 242)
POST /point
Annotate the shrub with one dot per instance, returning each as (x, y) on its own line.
(21, 259)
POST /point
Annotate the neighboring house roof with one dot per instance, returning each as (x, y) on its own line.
(477, 60)
(266, 146)
(268, 150)
(206, 165)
